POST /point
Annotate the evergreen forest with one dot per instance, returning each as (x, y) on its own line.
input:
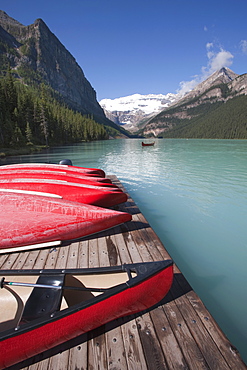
(218, 120)
(35, 115)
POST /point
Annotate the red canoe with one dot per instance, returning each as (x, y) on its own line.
(56, 175)
(31, 219)
(83, 193)
(56, 167)
(61, 304)
(92, 177)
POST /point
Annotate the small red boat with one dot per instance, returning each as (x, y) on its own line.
(41, 309)
(56, 167)
(147, 144)
(83, 193)
(29, 220)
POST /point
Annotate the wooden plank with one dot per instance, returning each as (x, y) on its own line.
(152, 349)
(30, 261)
(134, 252)
(60, 361)
(121, 247)
(15, 261)
(42, 365)
(96, 342)
(97, 358)
(188, 346)
(199, 333)
(41, 258)
(78, 353)
(171, 349)
(133, 348)
(116, 356)
(83, 254)
(103, 252)
(3, 258)
(112, 251)
(72, 260)
(51, 258)
(114, 347)
(7, 261)
(62, 258)
(93, 253)
(228, 351)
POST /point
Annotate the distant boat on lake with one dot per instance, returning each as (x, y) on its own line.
(147, 144)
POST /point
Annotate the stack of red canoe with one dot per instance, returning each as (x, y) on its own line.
(32, 214)
(43, 205)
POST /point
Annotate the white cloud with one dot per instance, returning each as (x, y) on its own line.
(185, 86)
(209, 45)
(216, 60)
(243, 46)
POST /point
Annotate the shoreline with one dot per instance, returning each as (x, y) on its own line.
(8, 152)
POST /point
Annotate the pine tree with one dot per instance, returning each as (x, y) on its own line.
(28, 134)
(10, 91)
(17, 140)
(43, 115)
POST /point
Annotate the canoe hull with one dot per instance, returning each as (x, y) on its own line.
(46, 173)
(56, 167)
(30, 219)
(82, 193)
(125, 299)
(49, 175)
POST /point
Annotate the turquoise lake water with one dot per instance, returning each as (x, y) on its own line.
(194, 195)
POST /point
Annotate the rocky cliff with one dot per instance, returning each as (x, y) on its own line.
(35, 48)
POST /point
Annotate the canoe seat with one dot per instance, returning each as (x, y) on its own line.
(43, 301)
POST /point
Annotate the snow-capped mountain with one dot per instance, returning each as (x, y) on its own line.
(131, 110)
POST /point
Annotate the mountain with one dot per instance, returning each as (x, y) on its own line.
(222, 76)
(131, 111)
(216, 108)
(198, 113)
(36, 55)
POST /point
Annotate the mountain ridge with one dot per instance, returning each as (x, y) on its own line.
(219, 87)
(222, 76)
(211, 98)
(36, 56)
(36, 47)
(132, 110)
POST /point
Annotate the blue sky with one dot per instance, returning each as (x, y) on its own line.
(144, 46)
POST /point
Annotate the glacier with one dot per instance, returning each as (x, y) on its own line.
(130, 110)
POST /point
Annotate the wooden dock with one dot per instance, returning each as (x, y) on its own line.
(177, 334)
